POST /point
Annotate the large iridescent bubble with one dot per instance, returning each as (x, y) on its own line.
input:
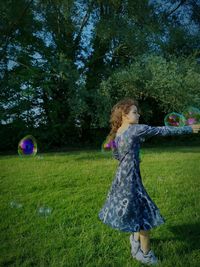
(27, 146)
(174, 119)
(192, 115)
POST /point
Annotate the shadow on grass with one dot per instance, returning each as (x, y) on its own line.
(188, 234)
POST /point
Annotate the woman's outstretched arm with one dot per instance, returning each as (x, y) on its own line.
(143, 130)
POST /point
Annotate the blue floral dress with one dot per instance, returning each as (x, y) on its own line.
(128, 206)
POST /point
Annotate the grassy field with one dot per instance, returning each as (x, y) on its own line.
(74, 187)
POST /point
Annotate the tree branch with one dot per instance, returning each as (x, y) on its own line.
(84, 21)
(173, 10)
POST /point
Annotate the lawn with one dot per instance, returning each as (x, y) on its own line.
(73, 187)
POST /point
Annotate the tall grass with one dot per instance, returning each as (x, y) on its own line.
(74, 186)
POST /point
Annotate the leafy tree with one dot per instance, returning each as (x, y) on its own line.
(64, 63)
(161, 86)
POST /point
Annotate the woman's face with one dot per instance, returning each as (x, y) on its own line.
(132, 117)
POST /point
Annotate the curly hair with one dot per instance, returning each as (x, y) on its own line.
(122, 107)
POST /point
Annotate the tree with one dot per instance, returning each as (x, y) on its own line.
(161, 86)
(64, 62)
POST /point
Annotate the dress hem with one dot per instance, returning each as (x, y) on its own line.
(132, 231)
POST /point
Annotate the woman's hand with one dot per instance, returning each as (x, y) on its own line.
(195, 128)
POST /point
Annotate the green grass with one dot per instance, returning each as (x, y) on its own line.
(75, 186)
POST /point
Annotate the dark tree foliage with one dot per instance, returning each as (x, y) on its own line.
(65, 63)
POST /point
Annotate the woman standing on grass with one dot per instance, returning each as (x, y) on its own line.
(128, 206)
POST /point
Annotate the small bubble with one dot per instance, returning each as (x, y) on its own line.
(44, 211)
(15, 204)
(192, 115)
(174, 119)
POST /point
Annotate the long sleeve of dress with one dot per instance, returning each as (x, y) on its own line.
(143, 130)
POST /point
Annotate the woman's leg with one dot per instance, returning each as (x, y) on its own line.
(145, 241)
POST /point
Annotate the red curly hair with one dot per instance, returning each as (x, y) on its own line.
(121, 107)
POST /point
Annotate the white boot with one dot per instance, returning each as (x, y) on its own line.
(135, 245)
(148, 258)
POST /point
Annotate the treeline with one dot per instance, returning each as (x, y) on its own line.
(64, 64)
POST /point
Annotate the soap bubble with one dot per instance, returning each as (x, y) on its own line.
(44, 211)
(192, 115)
(107, 146)
(15, 204)
(174, 119)
(27, 146)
